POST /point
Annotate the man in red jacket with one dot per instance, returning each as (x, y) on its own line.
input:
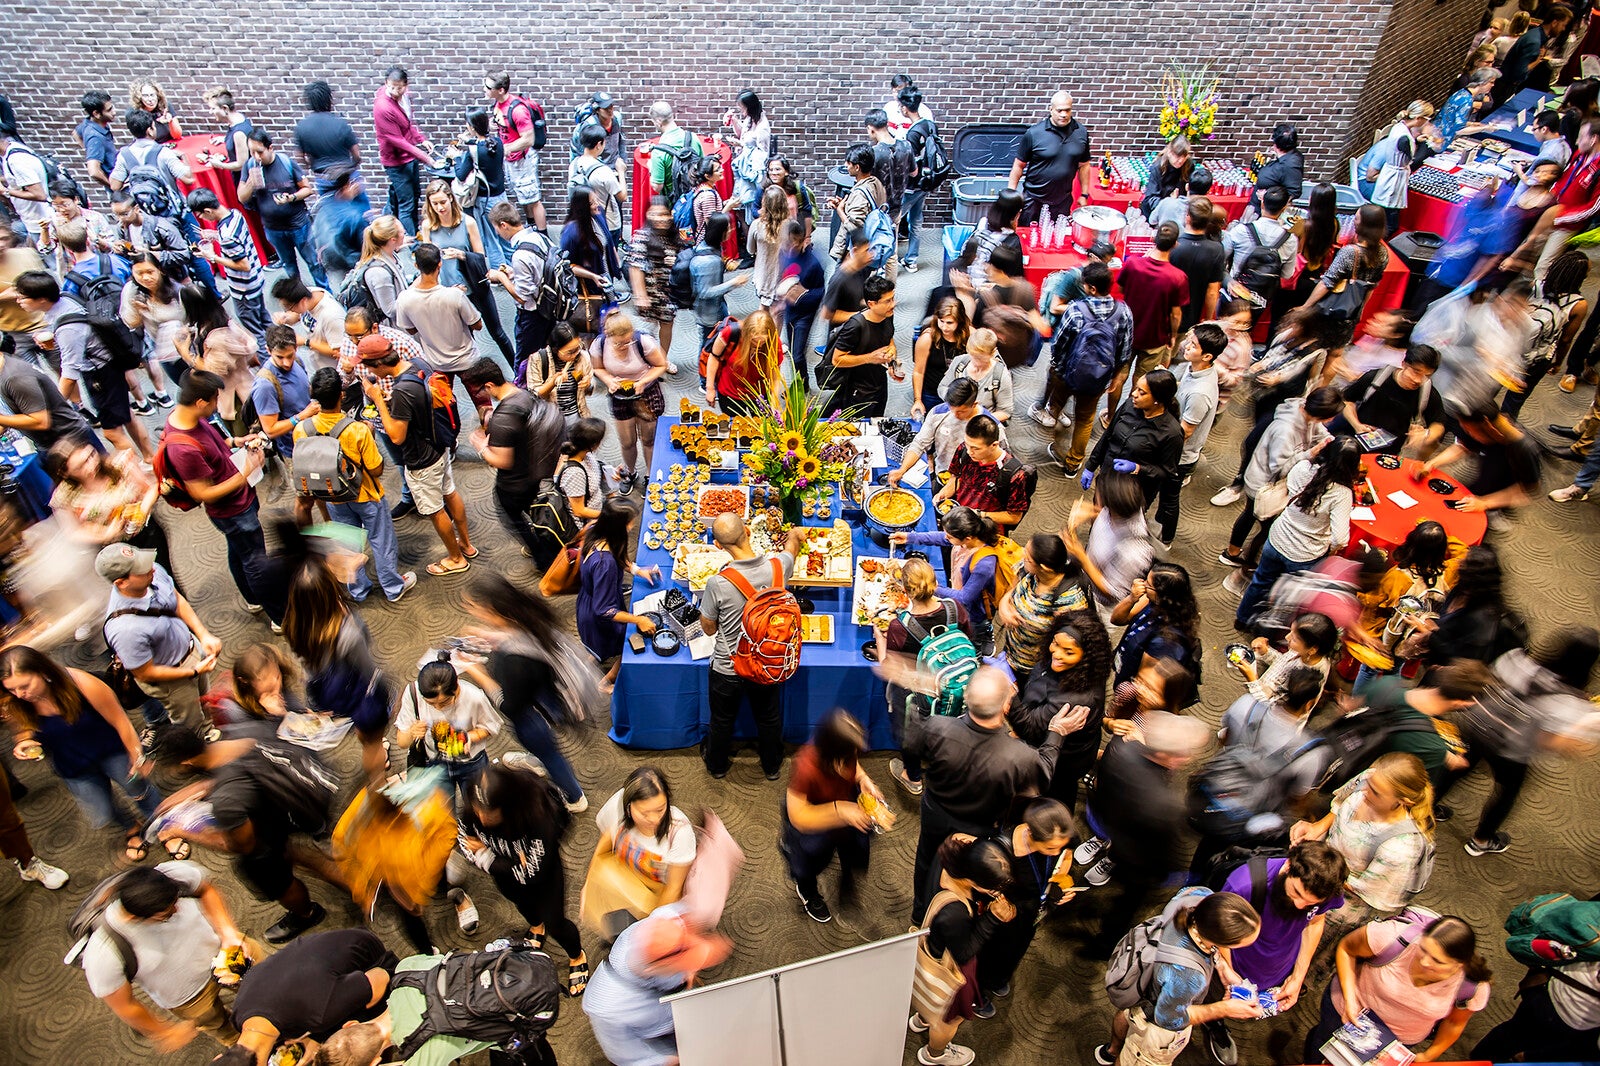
(403, 149)
(1577, 206)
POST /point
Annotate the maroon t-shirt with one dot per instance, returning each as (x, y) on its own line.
(817, 783)
(202, 454)
(1151, 290)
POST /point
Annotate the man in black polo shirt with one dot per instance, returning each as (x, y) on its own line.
(1048, 158)
(1203, 261)
(862, 351)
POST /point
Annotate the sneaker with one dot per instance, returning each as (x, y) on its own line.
(408, 581)
(672, 367)
(1089, 851)
(909, 266)
(276, 627)
(917, 1025)
(984, 1008)
(953, 1055)
(466, 910)
(1226, 495)
(253, 608)
(1002, 992)
(51, 877)
(161, 398)
(897, 770)
(1102, 1055)
(816, 907)
(1443, 812)
(1230, 560)
(142, 407)
(1043, 417)
(1224, 1052)
(772, 775)
(401, 509)
(1236, 582)
(1569, 494)
(521, 760)
(149, 739)
(1099, 873)
(579, 805)
(1495, 845)
(624, 481)
(83, 633)
(1497, 522)
(292, 925)
(1568, 383)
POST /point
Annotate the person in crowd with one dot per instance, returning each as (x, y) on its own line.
(1094, 337)
(844, 293)
(671, 138)
(1296, 427)
(403, 149)
(1399, 403)
(998, 226)
(75, 720)
(24, 182)
(167, 652)
(745, 367)
(944, 432)
(237, 128)
(443, 319)
(579, 476)
(867, 194)
(1555, 1020)
(862, 353)
(310, 990)
(650, 256)
(623, 356)
(802, 202)
(588, 244)
(1071, 673)
(894, 162)
(1311, 642)
(93, 134)
(511, 828)
(149, 98)
(380, 268)
(970, 905)
(602, 621)
(1162, 620)
(102, 499)
(1558, 310)
(982, 364)
(711, 284)
(459, 240)
(1293, 895)
(1382, 824)
(1196, 936)
(1174, 207)
(15, 845)
(200, 460)
(277, 189)
(1048, 586)
(1050, 157)
(942, 340)
(1033, 846)
(1384, 173)
(830, 808)
(1061, 287)
(707, 199)
(975, 543)
(1313, 525)
(1195, 407)
(18, 322)
(1507, 473)
(642, 860)
(480, 167)
(210, 340)
(1118, 551)
(522, 276)
(1156, 292)
(1285, 170)
(151, 305)
(1355, 271)
(408, 421)
(1424, 979)
(268, 685)
(322, 316)
(1009, 305)
(526, 668)
(1204, 262)
(35, 407)
(1466, 105)
(1145, 439)
(1267, 231)
(170, 923)
(439, 697)
(562, 374)
(983, 475)
(521, 123)
(518, 440)
(765, 244)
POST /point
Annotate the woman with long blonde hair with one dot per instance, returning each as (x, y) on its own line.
(743, 374)
(379, 265)
(765, 243)
(456, 234)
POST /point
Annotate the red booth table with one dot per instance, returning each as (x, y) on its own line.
(1427, 214)
(642, 191)
(1390, 522)
(1118, 200)
(219, 181)
(1038, 264)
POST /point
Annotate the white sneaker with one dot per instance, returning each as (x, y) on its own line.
(1569, 494)
(1043, 417)
(408, 581)
(1236, 582)
(1086, 853)
(85, 631)
(578, 806)
(521, 760)
(672, 367)
(1228, 494)
(466, 910)
(917, 1024)
(953, 1055)
(51, 877)
(1099, 873)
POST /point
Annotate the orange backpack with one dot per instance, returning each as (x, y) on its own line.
(768, 649)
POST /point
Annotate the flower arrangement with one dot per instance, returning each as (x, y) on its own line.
(797, 450)
(1188, 101)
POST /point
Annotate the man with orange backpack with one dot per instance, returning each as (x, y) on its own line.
(756, 621)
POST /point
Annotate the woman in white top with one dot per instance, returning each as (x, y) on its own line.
(452, 719)
(1386, 168)
(642, 860)
(151, 305)
(982, 364)
(624, 356)
(579, 477)
(1315, 524)
(746, 129)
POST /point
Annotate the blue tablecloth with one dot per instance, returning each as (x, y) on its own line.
(1527, 103)
(660, 702)
(29, 487)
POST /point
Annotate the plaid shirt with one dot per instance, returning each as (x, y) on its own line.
(350, 362)
(979, 485)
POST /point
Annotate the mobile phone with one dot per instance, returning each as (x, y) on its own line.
(636, 642)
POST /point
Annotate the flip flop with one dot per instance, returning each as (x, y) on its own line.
(439, 569)
(178, 849)
(577, 979)
(473, 554)
(134, 848)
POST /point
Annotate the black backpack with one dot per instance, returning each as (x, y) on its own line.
(1244, 780)
(297, 782)
(1226, 861)
(1355, 740)
(89, 919)
(101, 300)
(507, 998)
(933, 159)
(680, 282)
(558, 286)
(681, 167)
(53, 172)
(356, 292)
(1261, 272)
(1014, 468)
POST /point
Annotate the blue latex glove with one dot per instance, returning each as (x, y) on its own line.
(1124, 466)
(1087, 479)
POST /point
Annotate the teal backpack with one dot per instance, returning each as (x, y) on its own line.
(949, 656)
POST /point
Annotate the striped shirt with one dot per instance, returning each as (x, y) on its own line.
(235, 242)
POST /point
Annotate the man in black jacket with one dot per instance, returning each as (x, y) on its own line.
(1286, 171)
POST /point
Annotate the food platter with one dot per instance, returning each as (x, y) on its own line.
(877, 597)
(895, 509)
(713, 501)
(825, 557)
(816, 629)
(693, 564)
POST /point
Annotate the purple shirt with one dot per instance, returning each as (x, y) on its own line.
(1269, 961)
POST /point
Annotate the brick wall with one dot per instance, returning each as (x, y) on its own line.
(818, 67)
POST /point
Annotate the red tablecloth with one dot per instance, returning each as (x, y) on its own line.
(219, 181)
(1390, 522)
(1428, 214)
(1390, 291)
(1103, 196)
(1038, 265)
(642, 192)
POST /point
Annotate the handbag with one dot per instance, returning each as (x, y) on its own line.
(590, 310)
(1272, 500)
(936, 981)
(1344, 303)
(560, 578)
(654, 400)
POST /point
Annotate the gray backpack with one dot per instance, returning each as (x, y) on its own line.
(322, 468)
(1131, 970)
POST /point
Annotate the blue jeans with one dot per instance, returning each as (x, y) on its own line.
(404, 187)
(1589, 473)
(373, 517)
(97, 801)
(911, 210)
(288, 241)
(495, 248)
(799, 326)
(1366, 676)
(1272, 566)
(540, 740)
(252, 315)
(252, 570)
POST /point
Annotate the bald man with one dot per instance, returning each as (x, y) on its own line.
(1049, 157)
(972, 768)
(721, 610)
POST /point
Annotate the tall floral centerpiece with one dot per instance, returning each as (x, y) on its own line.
(1188, 101)
(798, 451)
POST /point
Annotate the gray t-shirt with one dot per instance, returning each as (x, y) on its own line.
(174, 956)
(27, 390)
(138, 639)
(1197, 406)
(442, 318)
(724, 604)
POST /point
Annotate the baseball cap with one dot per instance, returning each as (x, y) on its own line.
(117, 561)
(374, 346)
(602, 100)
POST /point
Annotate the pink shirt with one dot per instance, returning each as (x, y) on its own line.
(391, 120)
(1411, 1012)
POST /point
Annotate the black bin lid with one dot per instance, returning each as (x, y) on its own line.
(986, 148)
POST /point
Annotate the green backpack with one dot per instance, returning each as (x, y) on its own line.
(1553, 930)
(948, 654)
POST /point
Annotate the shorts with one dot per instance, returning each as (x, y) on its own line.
(522, 179)
(1150, 1045)
(108, 395)
(431, 484)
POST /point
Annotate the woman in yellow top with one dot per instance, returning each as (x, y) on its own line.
(1425, 566)
(367, 510)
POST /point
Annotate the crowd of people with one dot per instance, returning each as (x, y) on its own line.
(160, 360)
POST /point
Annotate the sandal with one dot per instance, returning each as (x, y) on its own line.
(178, 849)
(473, 554)
(577, 978)
(134, 847)
(440, 569)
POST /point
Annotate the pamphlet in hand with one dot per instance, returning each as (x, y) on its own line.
(239, 457)
(1373, 439)
(1366, 1042)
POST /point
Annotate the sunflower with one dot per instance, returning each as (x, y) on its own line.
(792, 441)
(809, 467)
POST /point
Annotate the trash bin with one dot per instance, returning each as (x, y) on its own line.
(954, 239)
(982, 154)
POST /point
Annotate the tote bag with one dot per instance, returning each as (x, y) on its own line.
(936, 981)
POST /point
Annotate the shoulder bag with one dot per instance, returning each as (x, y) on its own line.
(936, 980)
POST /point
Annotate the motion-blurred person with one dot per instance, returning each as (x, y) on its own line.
(1475, 622)
(1071, 673)
(1558, 309)
(642, 860)
(15, 845)
(1481, 335)
(394, 841)
(1311, 642)
(831, 807)
(968, 908)
(1118, 551)
(1162, 620)
(1506, 475)
(1094, 337)
(1414, 718)
(1391, 408)
(102, 499)
(1033, 846)
(1296, 427)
